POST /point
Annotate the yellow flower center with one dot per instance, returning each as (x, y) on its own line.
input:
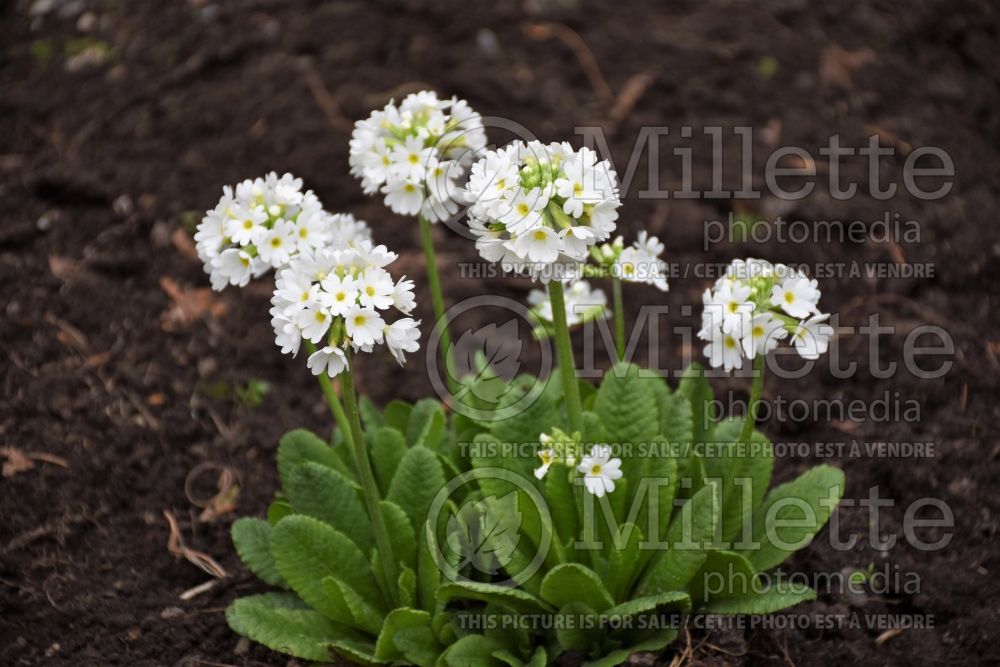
(789, 297)
(540, 235)
(595, 469)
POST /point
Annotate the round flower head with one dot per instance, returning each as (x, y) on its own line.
(337, 298)
(583, 304)
(757, 304)
(262, 224)
(535, 206)
(417, 153)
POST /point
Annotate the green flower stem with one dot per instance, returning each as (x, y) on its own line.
(368, 487)
(616, 289)
(564, 351)
(434, 282)
(756, 388)
(332, 400)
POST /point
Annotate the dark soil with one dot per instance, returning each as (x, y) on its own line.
(105, 155)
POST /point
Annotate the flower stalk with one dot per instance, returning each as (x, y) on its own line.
(619, 310)
(437, 300)
(336, 409)
(368, 487)
(564, 351)
(756, 389)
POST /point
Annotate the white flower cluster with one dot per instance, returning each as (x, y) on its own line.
(583, 304)
(638, 263)
(755, 305)
(599, 468)
(335, 296)
(418, 153)
(263, 223)
(533, 205)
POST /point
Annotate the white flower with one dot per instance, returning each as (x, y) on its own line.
(416, 153)
(812, 337)
(724, 350)
(763, 335)
(402, 336)
(641, 262)
(330, 359)
(547, 456)
(364, 326)
(754, 306)
(262, 224)
(336, 297)
(340, 293)
(538, 206)
(796, 295)
(600, 470)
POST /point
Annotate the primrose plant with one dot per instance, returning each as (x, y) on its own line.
(406, 536)
(417, 154)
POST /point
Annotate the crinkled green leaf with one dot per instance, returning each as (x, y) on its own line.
(365, 616)
(723, 574)
(694, 385)
(401, 535)
(418, 479)
(307, 550)
(575, 627)
(515, 598)
(744, 471)
(323, 493)
(397, 415)
(281, 622)
(692, 527)
(407, 635)
(808, 500)
(571, 582)
(299, 446)
(388, 449)
(471, 651)
(252, 538)
(426, 424)
(769, 601)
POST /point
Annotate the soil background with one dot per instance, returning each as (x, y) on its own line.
(120, 122)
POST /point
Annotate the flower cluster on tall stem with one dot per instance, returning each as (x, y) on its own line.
(263, 223)
(539, 208)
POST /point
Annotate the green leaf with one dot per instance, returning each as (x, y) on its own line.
(388, 449)
(428, 571)
(406, 584)
(471, 651)
(278, 510)
(626, 405)
(698, 391)
(407, 634)
(417, 480)
(693, 525)
(426, 424)
(323, 493)
(365, 617)
(371, 418)
(675, 600)
(571, 582)
(514, 598)
(593, 428)
(802, 507)
(771, 600)
(535, 418)
(299, 446)
(307, 551)
(252, 539)
(724, 574)
(572, 632)
(401, 535)
(654, 644)
(624, 562)
(397, 415)
(561, 497)
(677, 420)
(743, 470)
(282, 623)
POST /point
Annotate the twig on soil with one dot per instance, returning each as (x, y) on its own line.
(20, 461)
(24, 539)
(572, 39)
(887, 635)
(224, 501)
(630, 94)
(325, 100)
(176, 546)
(192, 593)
